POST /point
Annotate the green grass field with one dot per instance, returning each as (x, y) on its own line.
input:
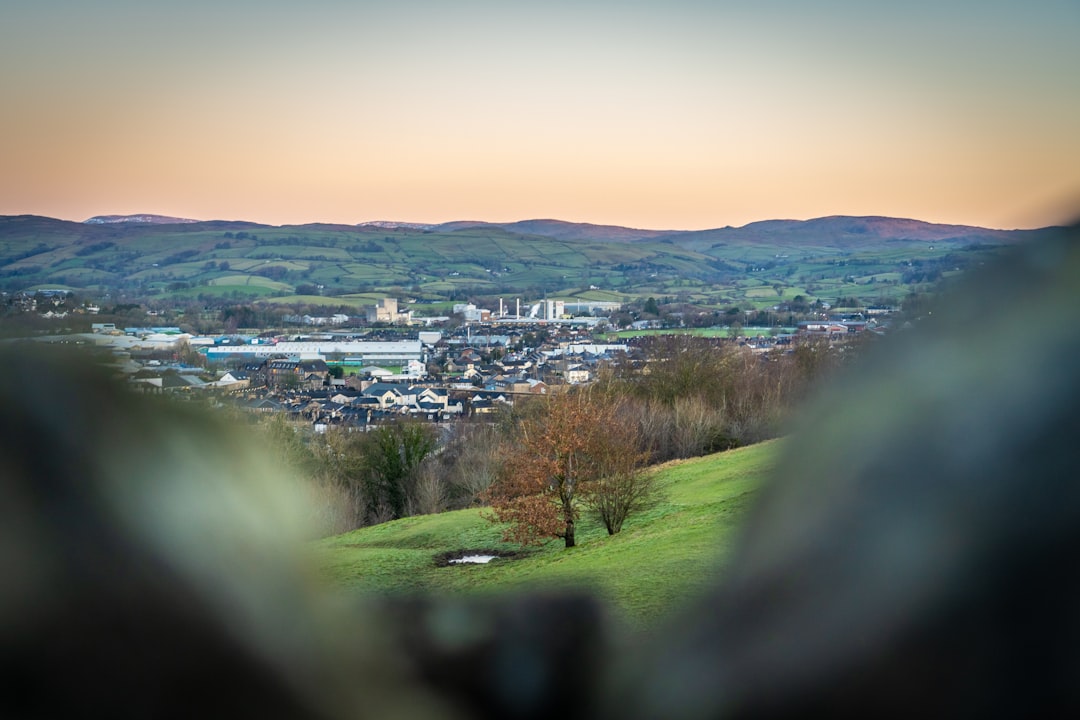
(696, 332)
(660, 560)
(250, 280)
(251, 292)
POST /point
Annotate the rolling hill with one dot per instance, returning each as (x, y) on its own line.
(561, 230)
(755, 266)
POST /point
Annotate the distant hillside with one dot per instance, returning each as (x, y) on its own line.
(835, 231)
(758, 266)
(151, 219)
(395, 225)
(845, 232)
(564, 230)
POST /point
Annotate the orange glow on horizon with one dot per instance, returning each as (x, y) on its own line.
(680, 116)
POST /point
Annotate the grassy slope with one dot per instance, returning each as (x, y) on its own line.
(660, 559)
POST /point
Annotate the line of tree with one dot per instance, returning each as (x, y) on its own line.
(693, 396)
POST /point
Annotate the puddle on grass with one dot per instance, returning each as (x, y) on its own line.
(473, 556)
(475, 559)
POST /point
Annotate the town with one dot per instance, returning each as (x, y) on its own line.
(385, 365)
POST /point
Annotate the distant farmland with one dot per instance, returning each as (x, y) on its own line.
(755, 267)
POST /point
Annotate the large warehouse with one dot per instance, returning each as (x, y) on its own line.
(396, 352)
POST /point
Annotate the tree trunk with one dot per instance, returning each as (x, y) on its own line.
(566, 495)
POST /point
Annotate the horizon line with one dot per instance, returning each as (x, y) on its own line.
(186, 220)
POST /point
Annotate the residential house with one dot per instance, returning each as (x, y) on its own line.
(297, 373)
(234, 380)
(391, 395)
(519, 386)
(262, 405)
(577, 374)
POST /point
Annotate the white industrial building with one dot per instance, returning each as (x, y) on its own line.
(397, 352)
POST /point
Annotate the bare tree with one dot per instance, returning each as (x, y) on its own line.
(472, 460)
(622, 486)
(430, 491)
(576, 440)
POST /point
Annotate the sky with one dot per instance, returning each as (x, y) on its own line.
(681, 114)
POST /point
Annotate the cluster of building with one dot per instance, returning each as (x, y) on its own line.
(368, 376)
(467, 382)
(385, 311)
(357, 379)
(48, 303)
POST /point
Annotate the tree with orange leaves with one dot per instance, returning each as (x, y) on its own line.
(575, 440)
